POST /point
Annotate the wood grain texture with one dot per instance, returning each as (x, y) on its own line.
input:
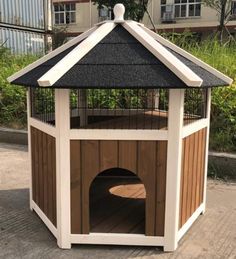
(147, 159)
(192, 175)
(44, 172)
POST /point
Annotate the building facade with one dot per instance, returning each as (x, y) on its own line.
(76, 16)
(25, 25)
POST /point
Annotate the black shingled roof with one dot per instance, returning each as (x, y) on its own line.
(118, 61)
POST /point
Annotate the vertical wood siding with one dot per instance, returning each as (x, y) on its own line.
(147, 159)
(192, 176)
(44, 172)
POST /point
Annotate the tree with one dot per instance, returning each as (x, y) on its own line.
(224, 9)
(135, 9)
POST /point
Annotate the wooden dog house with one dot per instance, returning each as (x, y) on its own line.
(118, 123)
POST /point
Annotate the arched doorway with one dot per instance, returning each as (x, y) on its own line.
(117, 203)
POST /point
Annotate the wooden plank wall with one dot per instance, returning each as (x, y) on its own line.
(192, 176)
(44, 172)
(147, 159)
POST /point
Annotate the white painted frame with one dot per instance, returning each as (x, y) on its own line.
(173, 171)
(190, 221)
(117, 239)
(45, 219)
(29, 149)
(62, 111)
(207, 148)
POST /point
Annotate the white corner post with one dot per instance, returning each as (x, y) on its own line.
(173, 172)
(208, 116)
(62, 110)
(29, 148)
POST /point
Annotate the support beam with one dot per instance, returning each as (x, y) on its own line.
(208, 113)
(63, 167)
(173, 174)
(29, 148)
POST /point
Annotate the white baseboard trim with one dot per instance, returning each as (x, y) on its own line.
(117, 239)
(45, 219)
(190, 221)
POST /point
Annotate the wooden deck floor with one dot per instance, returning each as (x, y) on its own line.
(117, 205)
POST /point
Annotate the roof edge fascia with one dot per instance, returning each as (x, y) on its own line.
(189, 56)
(66, 63)
(174, 64)
(51, 55)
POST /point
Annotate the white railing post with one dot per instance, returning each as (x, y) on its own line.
(62, 110)
(208, 116)
(29, 148)
(173, 172)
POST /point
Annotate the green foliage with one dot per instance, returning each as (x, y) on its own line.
(12, 98)
(134, 9)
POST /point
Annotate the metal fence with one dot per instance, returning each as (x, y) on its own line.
(119, 109)
(25, 13)
(22, 42)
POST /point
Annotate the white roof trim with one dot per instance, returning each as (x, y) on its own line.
(66, 63)
(51, 54)
(189, 56)
(174, 64)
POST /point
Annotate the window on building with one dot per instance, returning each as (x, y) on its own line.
(64, 13)
(187, 8)
(233, 9)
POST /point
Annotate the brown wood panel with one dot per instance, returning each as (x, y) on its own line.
(75, 187)
(108, 154)
(44, 172)
(90, 165)
(128, 155)
(161, 187)
(192, 178)
(139, 157)
(147, 173)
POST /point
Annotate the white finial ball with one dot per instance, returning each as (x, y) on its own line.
(119, 11)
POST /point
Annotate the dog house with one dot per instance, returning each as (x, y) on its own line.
(118, 123)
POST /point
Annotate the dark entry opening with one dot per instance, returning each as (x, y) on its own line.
(117, 203)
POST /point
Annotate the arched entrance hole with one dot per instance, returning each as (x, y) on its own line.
(117, 202)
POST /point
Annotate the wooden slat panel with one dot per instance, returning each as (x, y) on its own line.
(54, 181)
(194, 172)
(90, 168)
(50, 178)
(160, 187)
(45, 173)
(139, 157)
(43, 149)
(192, 178)
(75, 187)
(147, 173)
(41, 187)
(33, 158)
(128, 155)
(108, 154)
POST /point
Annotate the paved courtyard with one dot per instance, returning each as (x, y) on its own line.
(23, 235)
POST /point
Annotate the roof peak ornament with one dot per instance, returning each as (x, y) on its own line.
(119, 11)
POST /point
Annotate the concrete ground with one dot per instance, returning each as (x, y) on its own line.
(23, 235)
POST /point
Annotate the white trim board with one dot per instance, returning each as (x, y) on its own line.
(45, 219)
(190, 221)
(194, 127)
(43, 126)
(187, 55)
(67, 62)
(51, 54)
(116, 239)
(109, 134)
(174, 64)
